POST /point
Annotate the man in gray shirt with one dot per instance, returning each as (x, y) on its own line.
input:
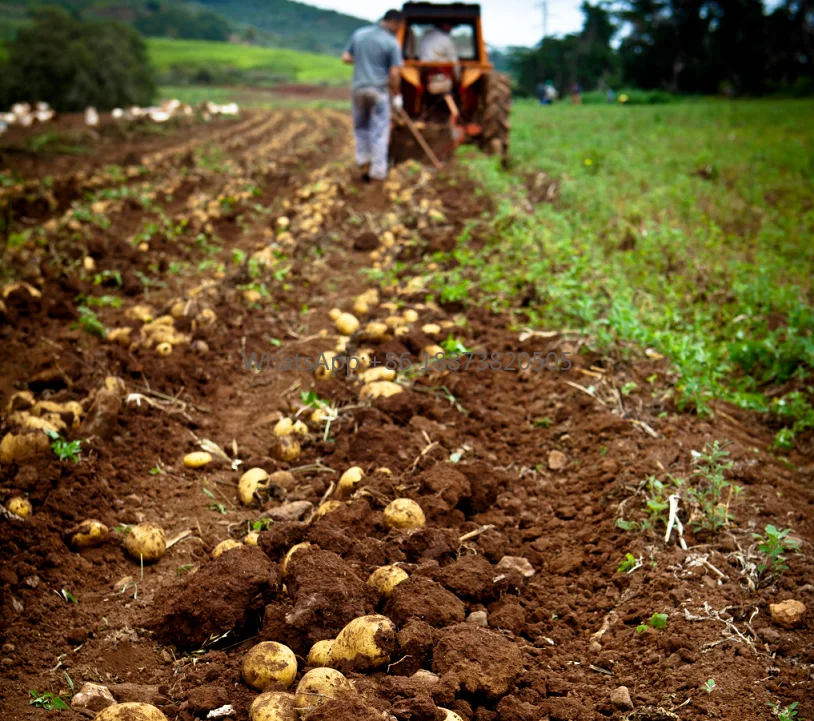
(376, 58)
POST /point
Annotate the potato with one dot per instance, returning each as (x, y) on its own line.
(379, 373)
(123, 336)
(450, 715)
(327, 507)
(144, 313)
(319, 415)
(342, 344)
(334, 314)
(130, 712)
(348, 481)
(376, 330)
(251, 538)
(324, 365)
(300, 429)
(320, 654)
(291, 551)
(394, 321)
(284, 479)
(206, 318)
(319, 685)
(385, 578)
(284, 427)
(88, 534)
(20, 401)
(286, 448)
(251, 482)
(20, 506)
(368, 638)
(273, 706)
(198, 459)
(224, 546)
(146, 541)
(430, 329)
(361, 307)
(269, 662)
(404, 513)
(283, 222)
(163, 349)
(347, 324)
(410, 315)
(17, 447)
(379, 389)
(433, 352)
(400, 332)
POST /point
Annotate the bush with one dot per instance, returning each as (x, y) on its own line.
(72, 64)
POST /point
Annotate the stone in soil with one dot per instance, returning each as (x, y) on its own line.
(223, 595)
(620, 698)
(92, 697)
(788, 614)
(477, 660)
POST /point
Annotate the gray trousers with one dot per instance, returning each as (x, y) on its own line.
(371, 128)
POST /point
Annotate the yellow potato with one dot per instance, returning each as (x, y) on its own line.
(292, 551)
(334, 314)
(20, 506)
(122, 336)
(320, 654)
(20, 401)
(286, 448)
(348, 481)
(251, 482)
(379, 373)
(431, 329)
(379, 389)
(394, 321)
(319, 415)
(319, 685)
(410, 315)
(404, 513)
(269, 662)
(347, 324)
(300, 429)
(327, 507)
(206, 318)
(361, 307)
(146, 541)
(283, 222)
(250, 539)
(224, 546)
(130, 712)
(198, 459)
(433, 352)
(284, 479)
(16, 447)
(450, 715)
(376, 330)
(273, 706)
(163, 349)
(369, 639)
(386, 578)
(324, 365)
(89, 533)
(402, 331)
(284, 427)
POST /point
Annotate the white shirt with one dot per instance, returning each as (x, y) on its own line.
(437, 46)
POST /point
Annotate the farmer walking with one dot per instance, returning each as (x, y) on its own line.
(376, 59)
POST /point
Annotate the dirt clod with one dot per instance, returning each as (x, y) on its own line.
(788, 614)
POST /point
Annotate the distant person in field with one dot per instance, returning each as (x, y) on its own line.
(376, 59)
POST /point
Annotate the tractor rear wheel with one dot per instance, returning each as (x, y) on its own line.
(496, 106)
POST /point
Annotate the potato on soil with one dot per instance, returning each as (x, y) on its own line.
(385, 578)
(324, 365)
(286, 449)
(366, 642)
(146, 541)
(379, 373)
(319, 685)
(20, 506)
(320, 654)
(450, 715)
(404, 513)
(430, 329)
(251, 539)
(17, 447)
(292, 551)
(224, 546)
(198, 459)
(273, 706)
(410, 315)
(269, 662)
(283, 427)
(347, 324)
(88, 534)
(164, 349)
(334, 314)
(361, 307)
(130, 712)
(375, 330)
(348, 481)
(251, 482)
(380, 389)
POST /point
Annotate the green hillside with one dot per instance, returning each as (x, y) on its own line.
(270, 23)
(182, 61)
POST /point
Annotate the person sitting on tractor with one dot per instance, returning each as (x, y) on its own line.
(436, 46)
(376, 58)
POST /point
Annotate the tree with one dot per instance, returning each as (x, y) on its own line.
(72, 64)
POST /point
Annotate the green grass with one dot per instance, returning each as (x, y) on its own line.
(187, 60)
(687, 228)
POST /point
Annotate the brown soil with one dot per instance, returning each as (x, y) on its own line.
(473, 448)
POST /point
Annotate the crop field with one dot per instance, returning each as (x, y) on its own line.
(562, 468)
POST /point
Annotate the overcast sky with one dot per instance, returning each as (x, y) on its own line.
(505, 22)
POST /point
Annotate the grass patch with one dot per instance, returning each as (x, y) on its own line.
(686, 228)
(203, 61)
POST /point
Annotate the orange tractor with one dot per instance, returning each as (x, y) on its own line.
(449, 102)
